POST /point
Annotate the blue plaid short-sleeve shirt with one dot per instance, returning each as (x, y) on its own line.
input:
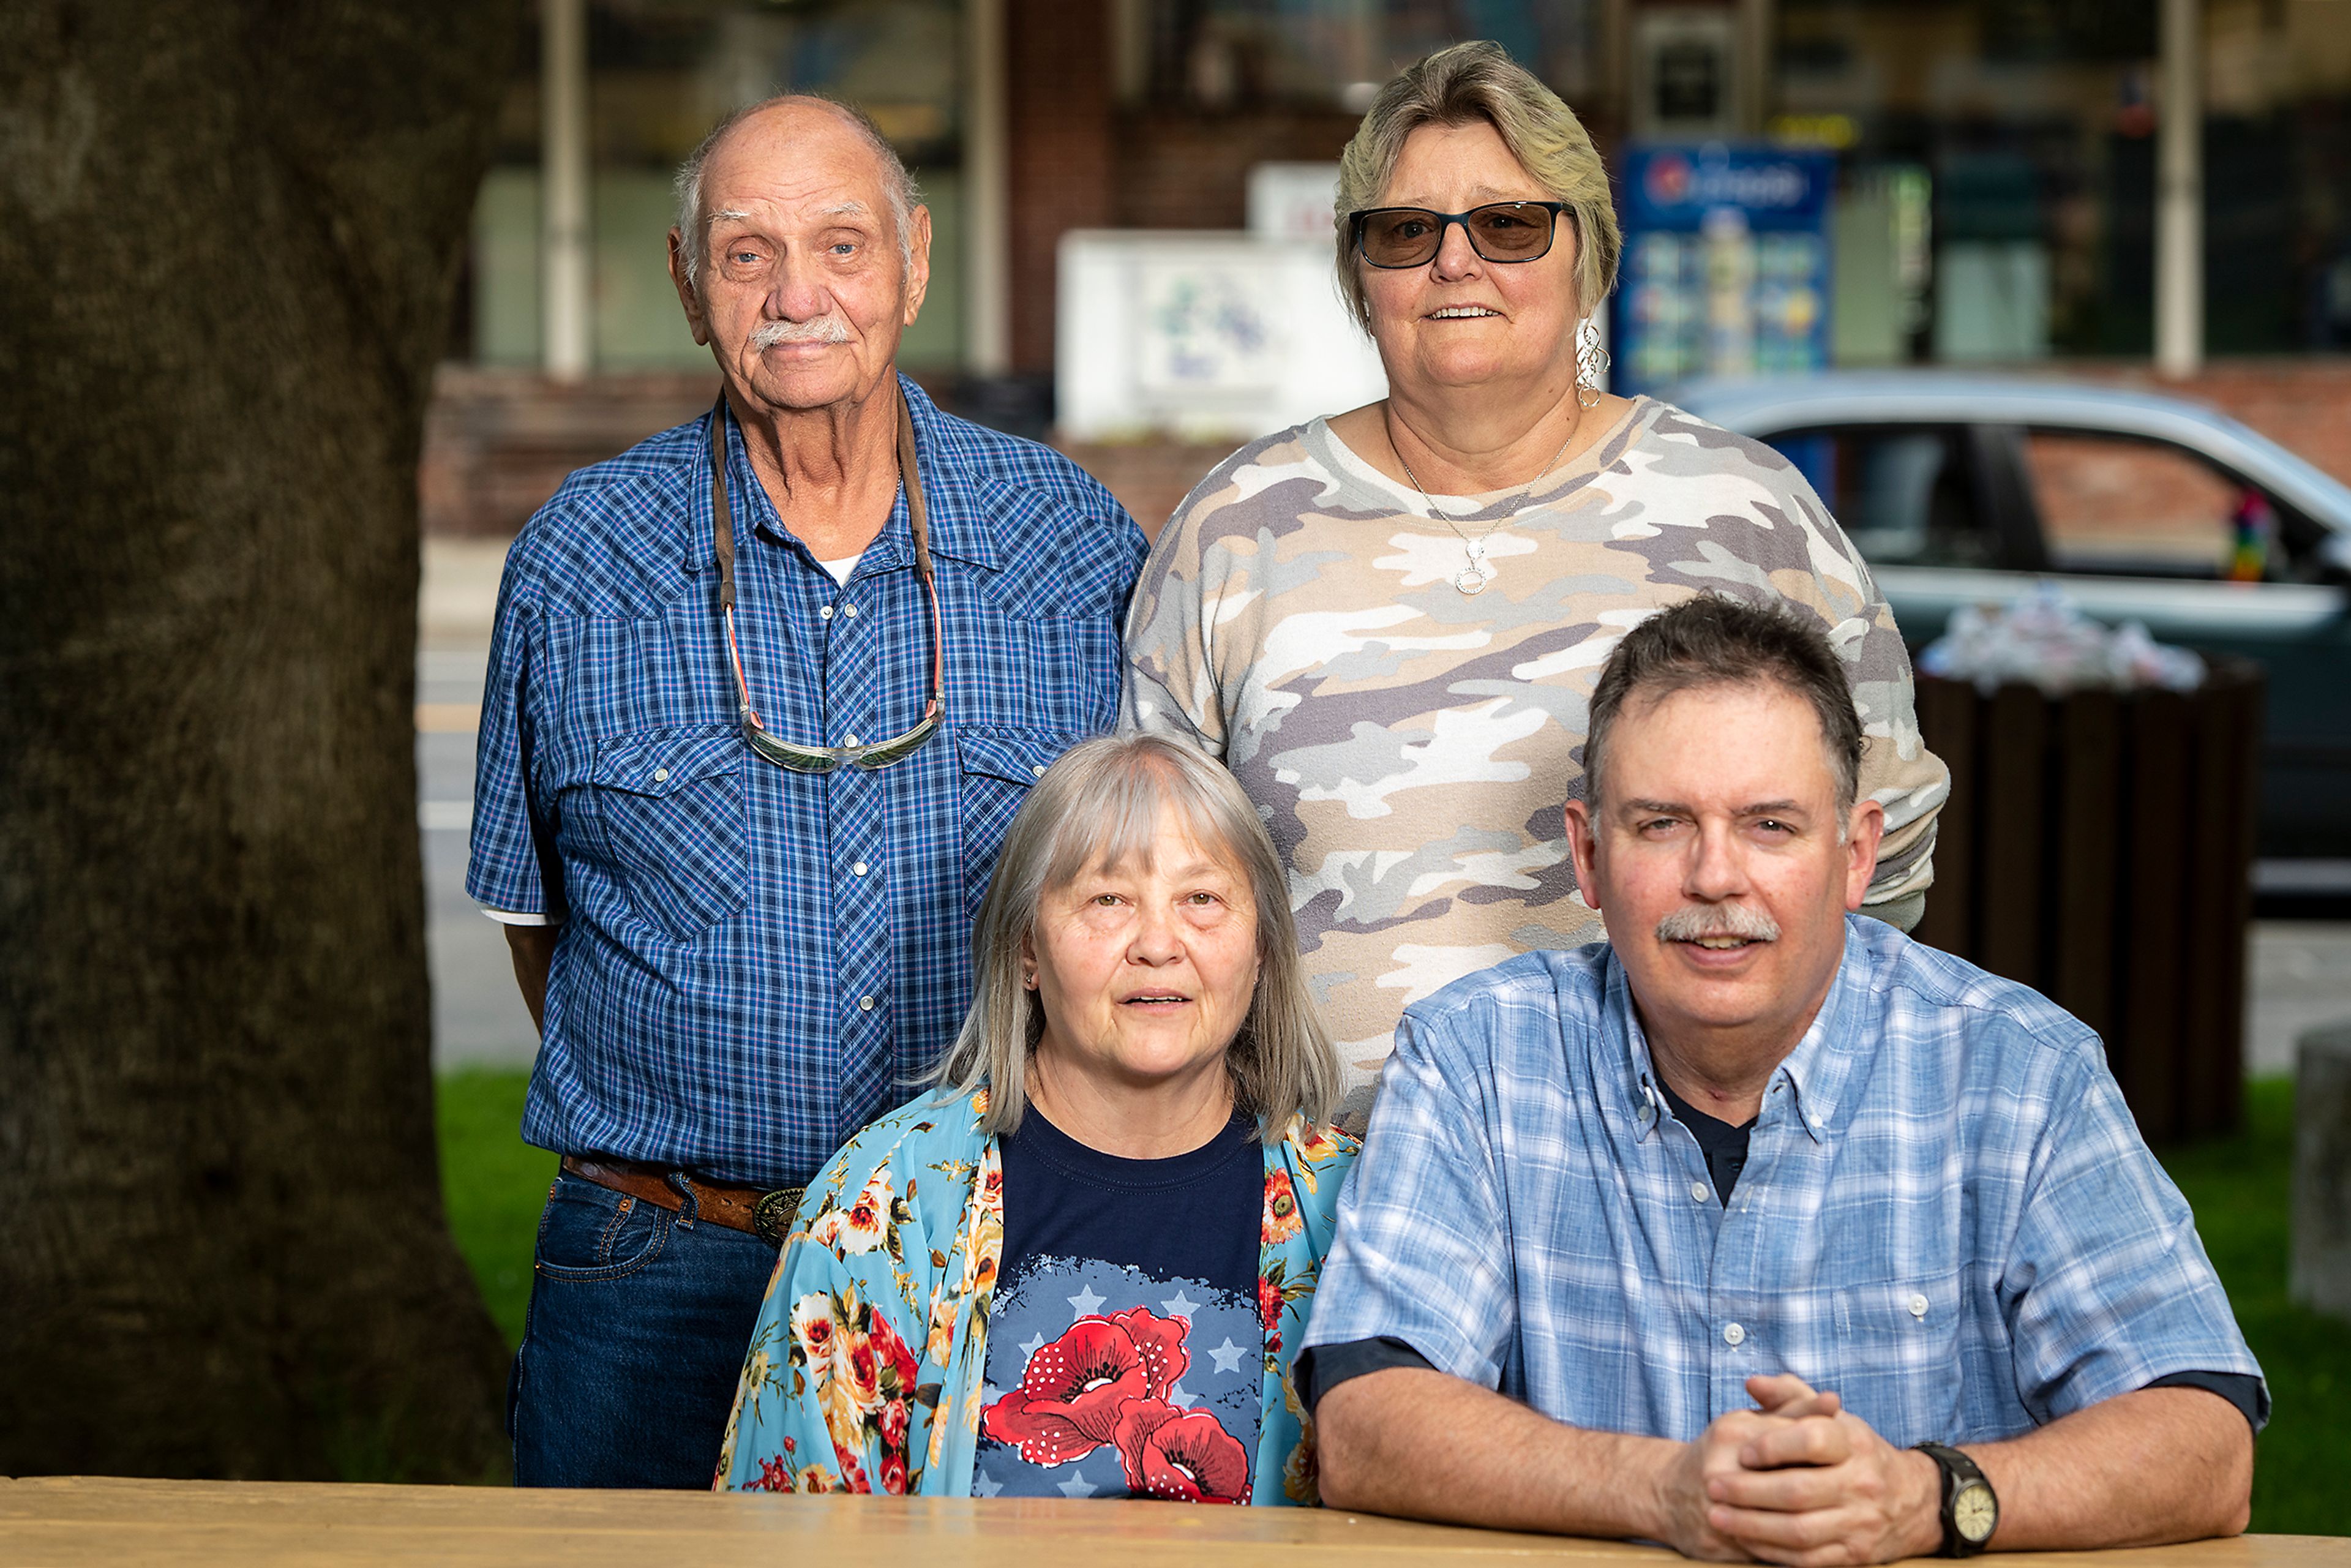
(755, 963)
(1947, 1214)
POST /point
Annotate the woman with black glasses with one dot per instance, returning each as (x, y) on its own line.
(1387, 623)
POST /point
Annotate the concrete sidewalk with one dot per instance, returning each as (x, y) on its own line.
(2299, 973)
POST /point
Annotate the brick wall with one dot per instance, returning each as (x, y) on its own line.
(1187, 170)
(2302, 404)
(1059, 161)
(497, 443)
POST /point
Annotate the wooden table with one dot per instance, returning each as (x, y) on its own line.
(73, 1521)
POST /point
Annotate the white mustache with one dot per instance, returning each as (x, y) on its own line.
(828, 328)
(1693, 922)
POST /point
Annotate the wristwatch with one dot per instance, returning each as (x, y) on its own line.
(1970, 1511)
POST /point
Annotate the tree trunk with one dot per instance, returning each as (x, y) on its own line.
(228, 237)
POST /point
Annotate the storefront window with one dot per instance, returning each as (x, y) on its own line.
(2020, 137)
(660, 73)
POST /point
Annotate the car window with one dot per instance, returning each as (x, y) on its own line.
(1904, 494)
(2122, 505)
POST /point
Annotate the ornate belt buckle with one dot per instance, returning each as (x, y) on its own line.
(772, 1216)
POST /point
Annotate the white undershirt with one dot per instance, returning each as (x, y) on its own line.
(840, 570)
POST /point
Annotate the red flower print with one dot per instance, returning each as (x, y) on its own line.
(1269, 1303)
(893, 1353)
(893, 1475)
(775, 1475)
(853, 1474)
(1183, 1456)
(1281, 1220)
(893, 1426)
(1071, 1390)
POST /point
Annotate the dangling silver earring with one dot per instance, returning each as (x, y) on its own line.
(1591, 364)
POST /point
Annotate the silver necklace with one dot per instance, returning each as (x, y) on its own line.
(1474, 577)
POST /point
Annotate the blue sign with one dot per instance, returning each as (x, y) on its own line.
(1726, 268)
(1674, 188)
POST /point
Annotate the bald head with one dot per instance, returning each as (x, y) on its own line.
(789, 115)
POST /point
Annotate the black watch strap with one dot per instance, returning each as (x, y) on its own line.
(1971, 1509)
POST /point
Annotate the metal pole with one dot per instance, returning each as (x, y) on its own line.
(2179, 195)
(988, 313)
(564, 235)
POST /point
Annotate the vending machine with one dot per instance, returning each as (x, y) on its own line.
(1726, 266)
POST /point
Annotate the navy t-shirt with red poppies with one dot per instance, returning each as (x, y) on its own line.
(1125, 1354)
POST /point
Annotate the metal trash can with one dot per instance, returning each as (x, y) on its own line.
(2098, 847)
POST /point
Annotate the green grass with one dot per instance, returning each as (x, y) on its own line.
(2241, 1189)
(495, 1185)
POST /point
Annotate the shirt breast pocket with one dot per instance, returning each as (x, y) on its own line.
(995, 768)
(1899, 1366)
(671, 806)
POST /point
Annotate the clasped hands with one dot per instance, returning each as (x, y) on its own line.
(1799, 1479)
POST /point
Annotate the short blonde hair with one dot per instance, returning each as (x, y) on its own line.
(1460, 85)
(1101, 804)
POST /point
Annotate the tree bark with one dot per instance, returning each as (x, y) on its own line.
(228, 238)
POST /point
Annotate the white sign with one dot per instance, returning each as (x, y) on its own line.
(1292, 201)
(1203, 329)
(1202, 334)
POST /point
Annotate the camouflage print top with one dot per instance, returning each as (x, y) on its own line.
(1409, 747)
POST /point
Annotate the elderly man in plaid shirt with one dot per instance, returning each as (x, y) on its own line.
(764, 694)
(1760, 1229)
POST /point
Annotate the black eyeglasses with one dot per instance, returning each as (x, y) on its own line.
(1395, 237)
(791, 754)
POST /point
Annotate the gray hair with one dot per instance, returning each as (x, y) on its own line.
(1713, 641)
(1460, 85)
(1101, 804)
(897, 185)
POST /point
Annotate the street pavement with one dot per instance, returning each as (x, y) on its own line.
(2300, 975)
(478, 1019)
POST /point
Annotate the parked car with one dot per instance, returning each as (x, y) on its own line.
(1962, 489)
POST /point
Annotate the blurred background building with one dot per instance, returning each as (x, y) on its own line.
(1980, 186)
(1130, 203)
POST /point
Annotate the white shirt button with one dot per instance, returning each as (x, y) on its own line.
(1697, 1192)
(1037, 768)
(1917, 1306)
(849, 610)
(866, 1003)
(859, 868)
(661, 775)
(1732, 1335)
(848, 740)
(824, 613)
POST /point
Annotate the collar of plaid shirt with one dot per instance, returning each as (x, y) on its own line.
(1814, 1073)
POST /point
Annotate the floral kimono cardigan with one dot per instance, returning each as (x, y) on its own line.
(865, 1371)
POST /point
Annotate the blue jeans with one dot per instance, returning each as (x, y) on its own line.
(639, 1320)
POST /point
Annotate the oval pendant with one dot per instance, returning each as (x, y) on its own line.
(1469, 579)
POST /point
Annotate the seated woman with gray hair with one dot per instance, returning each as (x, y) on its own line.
(1081, 1266)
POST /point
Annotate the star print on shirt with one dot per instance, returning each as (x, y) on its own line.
(1077, 1485)
(985, 1485)
(1180, 1305)
(1086, 1302)
(1229, 1356)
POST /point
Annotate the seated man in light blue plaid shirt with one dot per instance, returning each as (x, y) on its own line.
(1692, 1235)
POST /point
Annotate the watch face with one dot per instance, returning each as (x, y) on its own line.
(1975, 1511)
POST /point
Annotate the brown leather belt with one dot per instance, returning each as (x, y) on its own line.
(757, 1211)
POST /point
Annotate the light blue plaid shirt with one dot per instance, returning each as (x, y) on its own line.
(753, 963)
(1947, 1214)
